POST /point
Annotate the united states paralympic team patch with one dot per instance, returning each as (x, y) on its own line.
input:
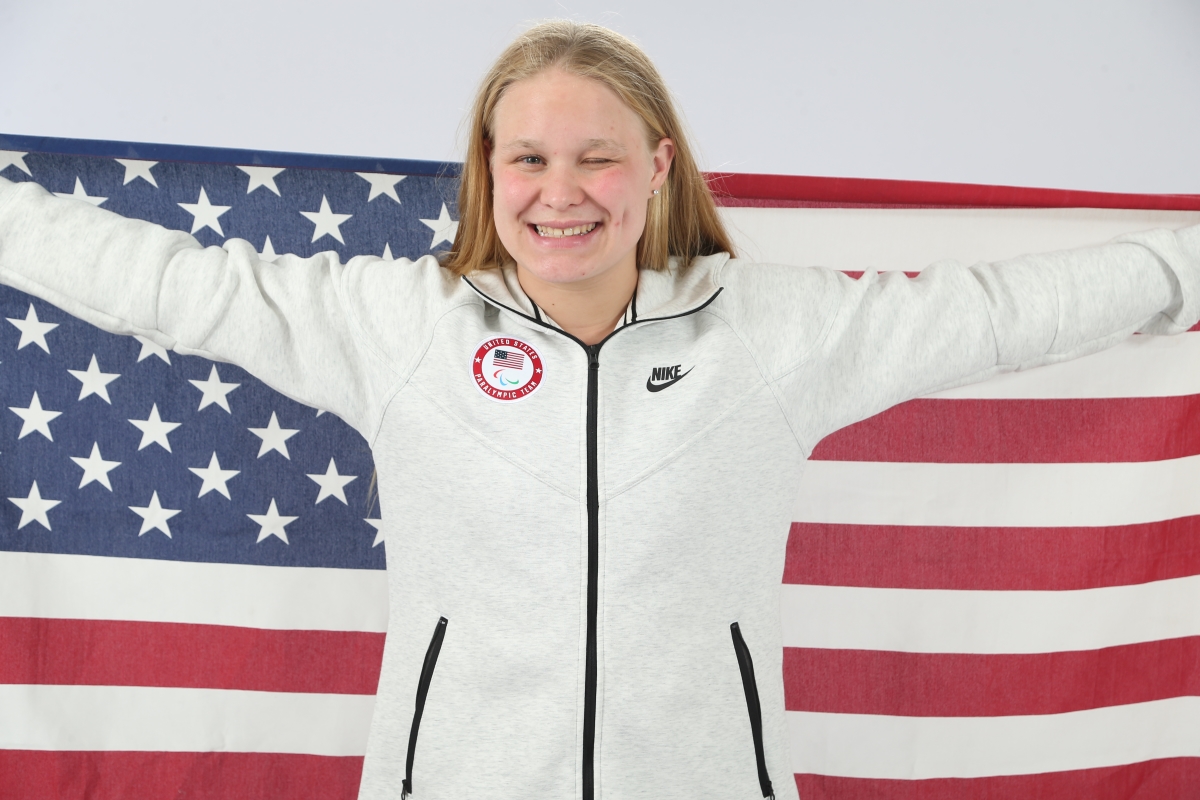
(507, 369)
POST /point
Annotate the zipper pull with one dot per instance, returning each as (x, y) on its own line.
(406, 790)
(593, 351)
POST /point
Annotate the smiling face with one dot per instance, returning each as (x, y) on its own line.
(572, 173)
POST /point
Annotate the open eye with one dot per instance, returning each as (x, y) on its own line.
(532, 161)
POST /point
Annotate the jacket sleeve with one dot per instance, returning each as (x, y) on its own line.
(292, 324)
(837, 350)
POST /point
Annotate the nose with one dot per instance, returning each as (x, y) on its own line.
(561, 188)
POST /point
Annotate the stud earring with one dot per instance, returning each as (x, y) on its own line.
(656, 191)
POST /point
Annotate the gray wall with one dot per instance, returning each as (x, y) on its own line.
(1087, 94)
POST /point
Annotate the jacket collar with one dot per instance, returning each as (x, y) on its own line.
(660, 295)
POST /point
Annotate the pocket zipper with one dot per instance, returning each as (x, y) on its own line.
(431, 657)
(746, 666)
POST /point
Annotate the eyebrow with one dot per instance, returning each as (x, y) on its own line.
(590, 144)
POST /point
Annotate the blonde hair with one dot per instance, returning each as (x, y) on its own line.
(681, 221)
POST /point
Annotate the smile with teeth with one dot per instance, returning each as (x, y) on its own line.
(558, 233)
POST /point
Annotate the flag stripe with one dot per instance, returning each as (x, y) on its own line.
(115, 775)
(40, 717)
(116, 653)
(1160, 779)
(927, 557)
(966, 495)
(1019, 431)
(146, 590)
(912, 239)
(942, 621)
(967, 685)
(871, 746)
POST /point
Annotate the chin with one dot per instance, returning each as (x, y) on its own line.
(559, 270)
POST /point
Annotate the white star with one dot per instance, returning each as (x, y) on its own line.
(154, 430)
(33, 330)
(94, 381)
(377, 524)
(332, 484)
(214, 477)
(95, 468)
(35, 418)
(214, 390)
(262, 176)
(381, 184)
(272, 523)
(11, 158)
(387, 252)
(326, 221)
(204, 214)
(81, 194)
(274, 437)
(34, 508)
(150, 348)
(138, 169)
(444, 229)
(154, 516)
(268, 252)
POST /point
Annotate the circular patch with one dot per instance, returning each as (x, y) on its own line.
(506, 369)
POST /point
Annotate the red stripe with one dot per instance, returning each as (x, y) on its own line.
(1022, 431)
(104, 653)
(39, 775)
(1003, 559)
(973, 685)
(1164, 779)
(732, 189)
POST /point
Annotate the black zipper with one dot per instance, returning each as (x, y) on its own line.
(746, 666)
(431, 657)
(593, 512)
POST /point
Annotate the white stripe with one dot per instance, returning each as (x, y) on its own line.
(914, 748)
(948, 621)
(140, 718)
(999, 495)
(144, 590)
(911, 239)
(1141, 366)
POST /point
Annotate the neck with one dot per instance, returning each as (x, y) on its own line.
(588, 309)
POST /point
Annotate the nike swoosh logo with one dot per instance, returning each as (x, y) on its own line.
(658, 387)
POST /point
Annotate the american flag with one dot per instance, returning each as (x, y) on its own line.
(509, 359)
(992, 592)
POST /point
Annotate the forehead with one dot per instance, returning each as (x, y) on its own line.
(556, 108)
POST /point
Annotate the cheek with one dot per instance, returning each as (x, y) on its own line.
(620, 197)
(510, 197)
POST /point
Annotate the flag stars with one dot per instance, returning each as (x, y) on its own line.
(137, 169)
(33, 508)
(214, 478)
(272, 523)
(95, 468)
(81, 194)
(33, 330)
(154, 516)
(377, 524)
(381, 184)
(332, 484)
(151, 348)
(262, 177)
(268, 252)
(154, 430)
(327, 223)
(274, 437)
(205, 214)
(444, 229)
(11, 158)
(34, 418)
(94, 382)
(215, 392)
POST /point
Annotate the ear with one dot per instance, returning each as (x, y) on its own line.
(663, 155)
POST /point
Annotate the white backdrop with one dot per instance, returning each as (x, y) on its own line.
(1085, 94)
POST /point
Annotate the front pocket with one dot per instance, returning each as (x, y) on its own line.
(746, 665)
(431, 657)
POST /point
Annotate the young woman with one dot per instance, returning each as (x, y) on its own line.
(586, 421)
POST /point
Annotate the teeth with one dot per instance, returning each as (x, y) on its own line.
(558, 233)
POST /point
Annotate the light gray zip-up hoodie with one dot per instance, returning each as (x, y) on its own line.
(584, 581)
